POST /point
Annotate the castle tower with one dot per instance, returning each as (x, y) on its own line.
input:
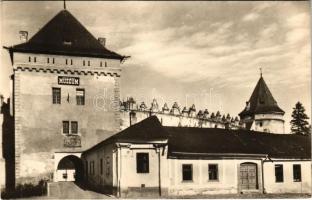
(262, 112)
(65, 97)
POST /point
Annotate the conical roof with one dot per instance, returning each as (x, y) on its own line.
(65, 35)
(261, 101)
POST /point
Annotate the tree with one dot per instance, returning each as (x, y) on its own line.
(299, 123)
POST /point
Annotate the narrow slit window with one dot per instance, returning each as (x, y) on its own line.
(71, 61)
(35, 59)
(88, 62)
(105, 64)
(83, 62)
(53, 60)
(66, 61)
(29, 59)
(48, 60)
(101, 64)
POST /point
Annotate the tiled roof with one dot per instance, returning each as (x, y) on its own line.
(199, 142)
(65, 35)
(261, 101)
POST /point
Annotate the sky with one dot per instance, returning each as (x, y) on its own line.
(206, 53)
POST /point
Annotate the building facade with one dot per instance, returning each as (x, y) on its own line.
(65, 97)
(148, 159)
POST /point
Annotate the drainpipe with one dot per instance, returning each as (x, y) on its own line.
(159, 170)
(262, 177)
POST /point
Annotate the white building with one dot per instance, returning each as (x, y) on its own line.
(149, 159)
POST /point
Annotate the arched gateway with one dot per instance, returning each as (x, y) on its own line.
(68, 167)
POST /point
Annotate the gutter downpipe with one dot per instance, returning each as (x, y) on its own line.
(159, 170)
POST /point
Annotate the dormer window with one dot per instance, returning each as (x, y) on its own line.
(67, 43)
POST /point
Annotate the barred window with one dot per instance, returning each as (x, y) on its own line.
(279, 174)
(56, 95)
(66, 127)
(213, 171)
(187, 172)
(74, 127)
(142, 163)
(80, 96)
(297, 173)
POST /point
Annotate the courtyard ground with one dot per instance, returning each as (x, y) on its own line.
(69, 190)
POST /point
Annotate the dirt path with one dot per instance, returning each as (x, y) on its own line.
(69, 190)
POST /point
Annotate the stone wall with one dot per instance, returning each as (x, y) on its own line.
(132, 113)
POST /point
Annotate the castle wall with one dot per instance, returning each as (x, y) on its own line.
(38, 121)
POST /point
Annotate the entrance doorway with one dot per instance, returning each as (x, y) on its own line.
(248, 176)
(69, 168)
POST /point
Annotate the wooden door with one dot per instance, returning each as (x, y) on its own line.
(248, 176)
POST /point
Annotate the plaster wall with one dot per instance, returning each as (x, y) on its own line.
(288, 185)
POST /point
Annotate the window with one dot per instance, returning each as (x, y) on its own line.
(187, 172)
(88, 62)
(101, 166)
(74, 127)
(35, 59)
(66, 127)
(213, 172)
(279, 176)
(56, 95)
(260, 123)
(48, 60)
(29, 59)
(66, 61)
(71, 61)
(83, 62)
(297, 173)
(80, 96)
(101, 64)
(53, 60)
(105, 64)
(142, 163)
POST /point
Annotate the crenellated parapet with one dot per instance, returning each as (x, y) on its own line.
(131, 113)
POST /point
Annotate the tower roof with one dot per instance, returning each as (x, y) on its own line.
(65, 35)
(261, 101)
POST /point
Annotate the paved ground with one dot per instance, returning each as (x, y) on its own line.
(69, 190)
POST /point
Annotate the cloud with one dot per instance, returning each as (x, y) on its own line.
(251, 17)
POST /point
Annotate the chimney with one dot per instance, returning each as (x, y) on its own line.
(23, 36)
(102, 41)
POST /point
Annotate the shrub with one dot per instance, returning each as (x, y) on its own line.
(25, 190)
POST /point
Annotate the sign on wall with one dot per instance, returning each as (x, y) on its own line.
(67, 80)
